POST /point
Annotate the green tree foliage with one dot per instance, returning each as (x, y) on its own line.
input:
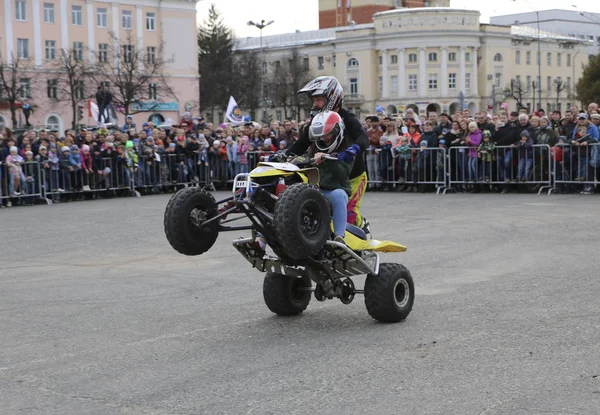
(588, 86)
(215, 60)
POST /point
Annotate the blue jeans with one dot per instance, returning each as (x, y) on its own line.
(504, 164)
(525, 165)
(472, 168)
(339, 200)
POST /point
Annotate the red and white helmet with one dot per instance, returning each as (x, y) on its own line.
(327, 124)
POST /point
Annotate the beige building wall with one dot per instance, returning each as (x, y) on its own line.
(425, 59)
(174, 24)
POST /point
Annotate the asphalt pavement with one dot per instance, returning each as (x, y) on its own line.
(99, 315)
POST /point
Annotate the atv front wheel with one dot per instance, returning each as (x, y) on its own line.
(389, 295)
(184, 215)
(302, 221)
(284, 295)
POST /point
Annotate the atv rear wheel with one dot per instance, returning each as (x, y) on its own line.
(283, 294)
(302, 221)
(184, 215)
(389, 296)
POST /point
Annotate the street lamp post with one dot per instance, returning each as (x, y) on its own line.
(261, 26)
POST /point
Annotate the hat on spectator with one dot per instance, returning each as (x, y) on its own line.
(583, 116)
(13, 149)
(172, 144)
(29, 152)
(145, 124)
(200, 118)
(74, 147)
(129, 144)
(247, 118)
(187, 114)
(525, 133)
(216, 143)
(442, 141)
(43, 148)
(595, 116)
(85, 148)
(52, 145)
(514, 114)
(268, 142)
(487, 134)
(223, 125)
(129, 117)
(64, 148)
(423, 143)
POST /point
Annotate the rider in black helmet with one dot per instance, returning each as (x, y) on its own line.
(327, 94)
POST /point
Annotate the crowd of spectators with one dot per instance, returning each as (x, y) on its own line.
(405, 153)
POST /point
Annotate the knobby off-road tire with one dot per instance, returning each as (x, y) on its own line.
(184, 236)
(389, 296)
(282, 294)
(302, 221)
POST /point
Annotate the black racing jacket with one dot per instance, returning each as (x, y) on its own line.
(354, 134)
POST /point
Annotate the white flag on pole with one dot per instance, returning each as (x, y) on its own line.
(234, 114)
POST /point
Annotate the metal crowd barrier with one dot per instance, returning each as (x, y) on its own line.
(26, 184)
(503, 165)
(575, 166)
(413, 167)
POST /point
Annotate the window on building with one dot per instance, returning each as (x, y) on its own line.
(549, 83)
(467, 57)
(151, 55)
(353, 86)
(79, 89)
(529, 108)
(528, 81)
(568, 83)
(78, 51)
(517, 81)
(152, 91)
(21, 10)
(549, 59)
(498, 79)
(518, 57)
(412, 57)
(25, 88)
(101, 17)
(103, 52)
(433, 81)
(76, 15)
(48, 12)
(151, 22)
(264, 67)
(305, 64)
(528, 58)
(352, 63)
(568, 59)
(380, 58)
(277, 64)
(537, 58)
(321, 63)
(412, 82)
(53, 123)
(333, 60)
(452, 57)
(278, 115)
(52, 88)
(394, 84)
(126, 19)
(50, 50)
(468, 81)
(559, 59)
(497, 57)
(394, 59)
(128, 53)
(23, 48)
(452, 80)
(433, 57)
(3, 122)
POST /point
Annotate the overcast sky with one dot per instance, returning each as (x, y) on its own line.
(291, 15)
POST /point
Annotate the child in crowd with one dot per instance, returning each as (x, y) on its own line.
(15, 162)
(473, 139)
(87, 170)
(525, 147)
(486, 153)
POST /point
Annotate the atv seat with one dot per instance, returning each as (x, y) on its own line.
(356, 231)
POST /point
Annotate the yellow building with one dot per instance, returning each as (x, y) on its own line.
(433, 59)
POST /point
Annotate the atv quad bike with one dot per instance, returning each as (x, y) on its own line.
(289, 214)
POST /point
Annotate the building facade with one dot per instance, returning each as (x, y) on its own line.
(583, 25)
(339, 13)
(433, 59)
(38, 30)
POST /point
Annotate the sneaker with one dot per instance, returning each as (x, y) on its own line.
(366, 227)
(339, 239)
(61, 190)
(87, 189)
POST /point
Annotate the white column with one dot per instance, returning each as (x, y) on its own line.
(401, 74)
(91, 27)
(37, 35)
(384, 74)
(422, 73)
(444, 71)
(64, 25)
(139, 24)
(461, 71)
(116, 28)
(474, 78)
(8, 16)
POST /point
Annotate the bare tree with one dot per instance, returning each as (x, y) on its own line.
(70, 85)
(516, 90)
(16, 82)
(299, 75)
(559, 86)
(247, 81)
(134, 74)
